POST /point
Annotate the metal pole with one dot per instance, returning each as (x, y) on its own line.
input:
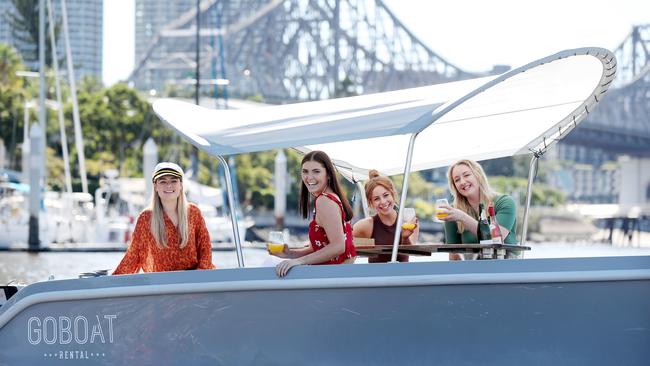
(197, 86)
(337, 34)
(233, 212)
(280, 180)
(75, 106)
(37, 142)
(64, 139)
(35, 164)
(42, 112)
(402, 199)
(149, 159)
(24, 176)
(222, 56)
(529, 192)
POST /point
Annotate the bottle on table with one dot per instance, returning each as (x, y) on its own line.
(483, 229)
(495, 229)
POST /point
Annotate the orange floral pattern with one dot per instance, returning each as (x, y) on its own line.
(143, 253)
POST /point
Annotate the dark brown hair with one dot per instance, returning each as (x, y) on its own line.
(332, 182)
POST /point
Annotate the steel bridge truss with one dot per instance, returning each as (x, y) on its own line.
(288, 50)
(621, 122)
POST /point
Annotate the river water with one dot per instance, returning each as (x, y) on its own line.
(31, 267)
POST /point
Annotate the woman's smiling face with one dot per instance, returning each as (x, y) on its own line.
(382, 200)
(464, 180)
(168, 187)
(314, 177)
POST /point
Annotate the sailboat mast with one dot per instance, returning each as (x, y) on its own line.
(64, 139)
(75, 106)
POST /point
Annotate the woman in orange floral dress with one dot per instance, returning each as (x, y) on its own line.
(171, 234)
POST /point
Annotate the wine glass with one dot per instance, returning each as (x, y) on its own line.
(439, 212)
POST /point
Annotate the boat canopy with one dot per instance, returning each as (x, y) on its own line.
(524, 110)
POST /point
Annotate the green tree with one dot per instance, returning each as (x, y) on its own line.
(419, 194)
(11, 98)
(543, 194)
(116, 122)
(255, 178)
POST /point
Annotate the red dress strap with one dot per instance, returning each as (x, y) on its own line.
(318, 237)
(333, 198)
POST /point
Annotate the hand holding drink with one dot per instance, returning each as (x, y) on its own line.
(440, 211)
(276, 242)
(408, 218)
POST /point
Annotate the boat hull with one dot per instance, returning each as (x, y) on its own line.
(582, 311)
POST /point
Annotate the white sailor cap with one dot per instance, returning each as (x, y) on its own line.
(166, 168)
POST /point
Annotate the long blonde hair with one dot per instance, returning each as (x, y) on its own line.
(158, 219)
(486, 194)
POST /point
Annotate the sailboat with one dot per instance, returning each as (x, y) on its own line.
(560, 311)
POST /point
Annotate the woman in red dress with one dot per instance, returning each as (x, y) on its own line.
(330, 233)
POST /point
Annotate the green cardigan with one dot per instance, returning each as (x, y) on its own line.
(506, 212)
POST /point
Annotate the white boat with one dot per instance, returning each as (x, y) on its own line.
(63, 218)
(561, 311)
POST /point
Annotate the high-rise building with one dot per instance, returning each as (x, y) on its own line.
(151, 16)
(85, 25)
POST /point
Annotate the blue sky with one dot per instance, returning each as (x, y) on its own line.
(474, 35)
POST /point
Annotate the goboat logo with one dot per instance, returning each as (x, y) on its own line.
(74, 331)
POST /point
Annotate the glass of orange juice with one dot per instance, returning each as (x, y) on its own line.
(276, 242)
(408, 214)
(440, 213)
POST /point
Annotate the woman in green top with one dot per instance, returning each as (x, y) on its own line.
(469, 187)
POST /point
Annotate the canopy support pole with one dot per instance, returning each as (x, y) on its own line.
(364, 200)
(402, 199)
(532, 171)
(233, 212)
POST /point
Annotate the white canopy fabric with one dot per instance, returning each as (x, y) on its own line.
(225, 132)
(523, 110)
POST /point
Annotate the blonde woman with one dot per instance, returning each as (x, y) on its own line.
(381, 195)
(171, 234)
(469, 187)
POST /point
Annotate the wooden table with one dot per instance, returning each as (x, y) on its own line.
(479, 251)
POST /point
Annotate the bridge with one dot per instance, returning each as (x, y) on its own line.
(621, 122)
(292, 50)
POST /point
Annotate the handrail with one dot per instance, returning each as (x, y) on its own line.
(532, 170)
(233, 212)
(402, 199)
